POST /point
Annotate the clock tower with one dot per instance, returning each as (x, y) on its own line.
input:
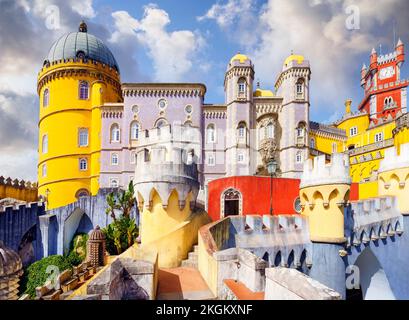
(385, 92)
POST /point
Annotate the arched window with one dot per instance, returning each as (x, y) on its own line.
(298, 157)
(133, 157)
(83, 164)
(115, 133)
(160, 123)
(134, 131)
(300, 87)
(270, 131)
(334, 147)
(44, 144)
(82, 193)
(211, 134)
(312, 143)
(231, 203)
(241, 130)
(242, 86)
(46, 97)
(44, 170)
(83, 137)
(83, 90)
(114, 159)
(114, 183)
(211, 160)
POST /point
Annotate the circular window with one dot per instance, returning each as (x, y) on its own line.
(297, 205)
(135, 109)
(162, 104)
(189, 109)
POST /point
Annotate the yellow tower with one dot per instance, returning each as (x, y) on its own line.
(78, 76)
(324, 193)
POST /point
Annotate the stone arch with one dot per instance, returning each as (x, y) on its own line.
(373, 280)
(333, 195)
(290, 259)
(318, 198)
(277, 259)
(77, 222)
(26, 247)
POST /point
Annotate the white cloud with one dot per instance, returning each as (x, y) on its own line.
(173, 53)
(83, 8)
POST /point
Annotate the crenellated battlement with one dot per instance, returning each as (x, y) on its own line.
(393, 161)
(165, 170)
(10, 206)
(373, 219)
(18, 189)
(317, 172)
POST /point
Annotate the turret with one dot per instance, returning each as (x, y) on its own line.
(400, 53)
(166, 188)
(364, 71)
(394, 176)
(348, 104)
(324, 194)
(374, 60)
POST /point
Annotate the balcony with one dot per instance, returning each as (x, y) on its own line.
(371, 147)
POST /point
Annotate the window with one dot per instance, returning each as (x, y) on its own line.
(297, 205)
(133, 157)
(242, 86)
(270, 131)
(115, 133)
(300, 87)
(353, 131)
(83, 137)
(44, 144)
(134, 130)
(82, 193)
(242, 130)
(46, 98)
(240, 158)
(211, 134)
(135, 109)
(162, 103)
(190, 157)
(114, 159)
(312, 143)
(298, 157)
(300, 132)
(83, 90)
(379, 137)
(113, 183)
(44, 170)
(83, 164)
(210, 160)
(160, 123)
(334, 148)
(188, 109)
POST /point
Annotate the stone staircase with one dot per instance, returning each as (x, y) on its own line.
(191, 261)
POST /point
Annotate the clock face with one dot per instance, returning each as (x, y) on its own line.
(386, 73)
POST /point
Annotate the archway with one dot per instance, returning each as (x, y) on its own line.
(231, 203)
(26, 248)
(373, 280)
(77, 222)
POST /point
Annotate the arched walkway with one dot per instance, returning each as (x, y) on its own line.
(77, 222)
(374, 283)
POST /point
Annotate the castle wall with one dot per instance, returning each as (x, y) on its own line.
(18, 189)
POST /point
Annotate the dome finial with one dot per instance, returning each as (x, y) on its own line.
(83, 27)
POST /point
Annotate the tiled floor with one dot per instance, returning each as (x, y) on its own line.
(182, 284)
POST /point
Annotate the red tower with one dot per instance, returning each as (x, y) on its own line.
(385, 92)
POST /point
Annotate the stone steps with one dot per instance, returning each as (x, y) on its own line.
(192, 259)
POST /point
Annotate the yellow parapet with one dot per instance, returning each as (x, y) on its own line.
(324, 192)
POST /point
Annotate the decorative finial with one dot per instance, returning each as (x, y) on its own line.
(83, 27)
(258, 83)
(292, 52)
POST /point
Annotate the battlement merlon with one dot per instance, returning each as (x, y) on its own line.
(393, 161)
(165, 170)
(317, 172)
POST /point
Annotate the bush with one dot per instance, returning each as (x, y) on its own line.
(36, 276)
(120, 235)
(78, 248)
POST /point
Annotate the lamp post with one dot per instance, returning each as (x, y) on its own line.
(271, 168)
(47, 192)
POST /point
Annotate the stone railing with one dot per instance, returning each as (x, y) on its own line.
(401, 122)
(373, 219)
(371, 147)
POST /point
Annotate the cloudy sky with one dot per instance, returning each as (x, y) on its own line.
(191, 41)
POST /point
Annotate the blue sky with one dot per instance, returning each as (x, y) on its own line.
(192, 41)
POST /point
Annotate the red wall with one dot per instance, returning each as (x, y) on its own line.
(256, 195)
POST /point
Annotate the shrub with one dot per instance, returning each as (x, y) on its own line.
(78, 248)
(36, 274)
(120, 235)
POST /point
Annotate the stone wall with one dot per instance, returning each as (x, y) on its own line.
(18, 189)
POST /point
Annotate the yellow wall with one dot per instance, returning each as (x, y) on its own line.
(324, 143)
(17, 192)
(321, 204)
(171, 232)
(396, 183)
(61, 121)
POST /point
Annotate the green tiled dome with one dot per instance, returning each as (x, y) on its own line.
(81, 44)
